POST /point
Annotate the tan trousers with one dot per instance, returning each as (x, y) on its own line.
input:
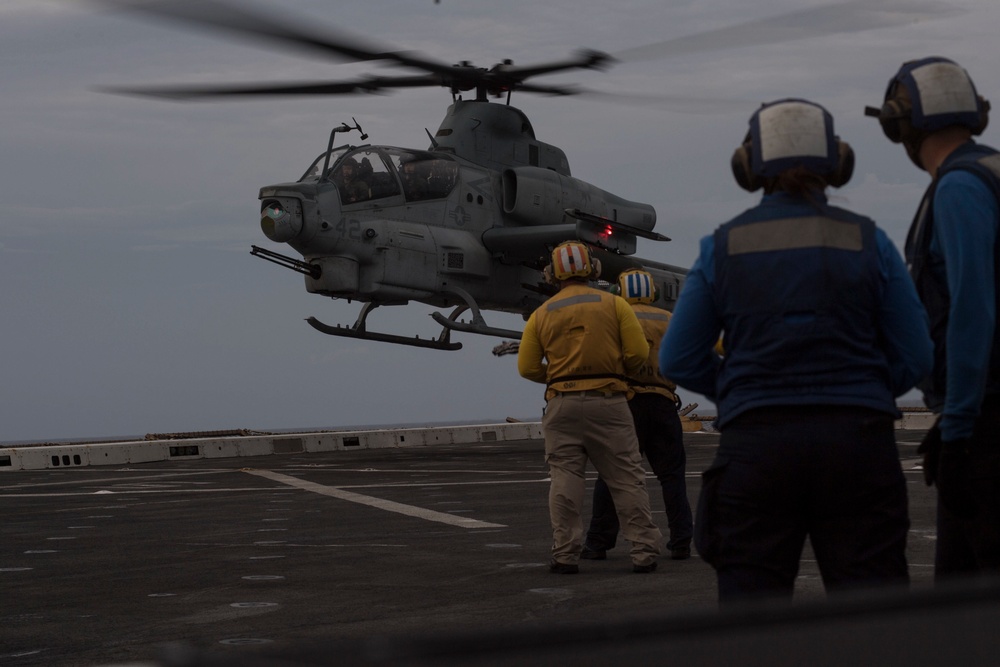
(587, 425)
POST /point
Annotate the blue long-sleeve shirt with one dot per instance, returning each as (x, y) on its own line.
(687, 356)
(964, 238)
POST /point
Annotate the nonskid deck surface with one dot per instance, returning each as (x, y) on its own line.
(106, 565)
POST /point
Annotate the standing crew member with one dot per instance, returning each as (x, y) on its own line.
(822, 330)
(932, 108)
(658, 429)
(581, 343)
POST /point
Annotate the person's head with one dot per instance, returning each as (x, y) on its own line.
(349, 168)
(571, 260)
(791, 146)
(928, 96)
(636, 286)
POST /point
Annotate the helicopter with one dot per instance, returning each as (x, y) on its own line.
(469, 222)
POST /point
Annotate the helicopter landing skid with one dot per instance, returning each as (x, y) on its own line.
(358, 330)
(477, 325)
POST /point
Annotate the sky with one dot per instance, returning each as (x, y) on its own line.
(129, 302)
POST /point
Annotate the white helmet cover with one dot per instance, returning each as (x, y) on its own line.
(941, 93)
(792, 133)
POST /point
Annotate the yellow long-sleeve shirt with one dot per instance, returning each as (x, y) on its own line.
(654, 322)
(582, 339)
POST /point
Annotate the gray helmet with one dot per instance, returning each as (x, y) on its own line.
(791, 133)
(928, 95)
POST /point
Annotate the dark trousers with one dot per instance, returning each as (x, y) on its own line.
(782, 474)
(971, 545)
(661, 441)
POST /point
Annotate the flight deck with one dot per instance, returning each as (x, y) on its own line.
(378, 554)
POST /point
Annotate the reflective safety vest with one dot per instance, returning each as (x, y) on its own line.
(799, 290)
(932, 286)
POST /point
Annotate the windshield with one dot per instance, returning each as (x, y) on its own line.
(424, 175)
(362, 176)
(312, 173)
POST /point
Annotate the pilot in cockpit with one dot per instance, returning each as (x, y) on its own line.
(413, 174)
(352, 187)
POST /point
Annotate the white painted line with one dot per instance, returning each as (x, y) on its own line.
(130, 492)
(387, 505)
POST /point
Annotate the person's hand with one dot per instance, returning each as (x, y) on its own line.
(953, 478)
(930, 447)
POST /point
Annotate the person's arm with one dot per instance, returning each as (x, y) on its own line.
(687, 355)
(903, 322)
(530, 359)
(635, 349)
(965, 233)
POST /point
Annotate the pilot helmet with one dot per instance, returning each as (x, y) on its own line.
(928, 95)
(791, 133)
(636, 286)
(572, 260)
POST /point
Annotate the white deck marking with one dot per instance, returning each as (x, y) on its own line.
(387, 505)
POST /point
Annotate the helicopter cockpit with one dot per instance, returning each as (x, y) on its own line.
(365, 174)
(424, 175)
(313, 172)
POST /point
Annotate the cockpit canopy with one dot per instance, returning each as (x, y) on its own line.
(369, 173)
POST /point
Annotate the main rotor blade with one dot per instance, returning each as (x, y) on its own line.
(677, 103)
(359, 86)
(819, 21)
(245, 22)
(583, 59)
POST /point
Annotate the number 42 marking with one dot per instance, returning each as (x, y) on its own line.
(349, 229)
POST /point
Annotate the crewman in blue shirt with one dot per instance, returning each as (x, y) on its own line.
(931, 107)
(822, 329)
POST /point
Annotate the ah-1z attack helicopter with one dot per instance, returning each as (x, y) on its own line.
(469, 222)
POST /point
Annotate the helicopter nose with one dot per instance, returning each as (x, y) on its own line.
(279, 223)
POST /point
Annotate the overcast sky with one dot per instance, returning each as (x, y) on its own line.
(129, 302)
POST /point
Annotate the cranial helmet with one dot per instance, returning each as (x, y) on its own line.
(791, 133)
(572, 260)
(928, 95)
(636, 286)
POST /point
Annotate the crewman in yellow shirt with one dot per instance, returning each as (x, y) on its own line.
(583, 343)
(658, 428)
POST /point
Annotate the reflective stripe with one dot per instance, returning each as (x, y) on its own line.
(572, 301)
(795, 233)
(663, 317)
(992, 162)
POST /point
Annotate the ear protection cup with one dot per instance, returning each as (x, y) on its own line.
(984, 116)
(547, 275)
(894, 115)
(596, 273)
(742, 171)
(752, 182)
(845, 165)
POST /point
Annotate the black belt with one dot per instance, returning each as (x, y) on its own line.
(592, 393)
